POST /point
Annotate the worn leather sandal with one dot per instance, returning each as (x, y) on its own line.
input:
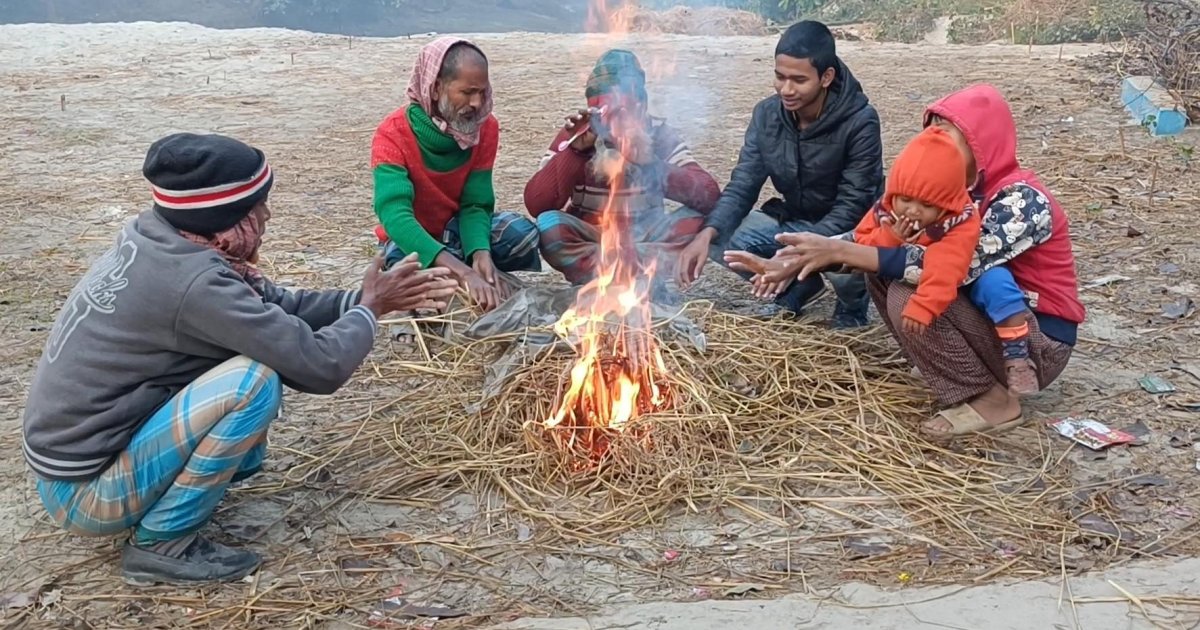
(964, 420)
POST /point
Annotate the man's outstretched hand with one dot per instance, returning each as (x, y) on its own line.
(485, 286)
(811, 253)
(746, 262)
(692, 258)
(772, 276)
(482, 264)
(484, 294)
(405, 287)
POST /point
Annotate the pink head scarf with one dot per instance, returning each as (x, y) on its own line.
(421, 88)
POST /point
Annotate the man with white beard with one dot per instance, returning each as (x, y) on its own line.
(432, 161)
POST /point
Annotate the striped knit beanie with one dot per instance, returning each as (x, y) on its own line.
(617, 71)
(205, 184)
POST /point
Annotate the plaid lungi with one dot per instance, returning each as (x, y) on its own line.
(170, 478)
(572, 245)
(960, 356)
(514, 240)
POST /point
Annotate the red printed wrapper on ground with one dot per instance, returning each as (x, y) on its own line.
(1090, 433)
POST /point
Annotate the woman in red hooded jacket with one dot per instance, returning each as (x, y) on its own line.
(1023, 228)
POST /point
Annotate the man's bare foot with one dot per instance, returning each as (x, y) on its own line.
(997, 406)
(1022, 377)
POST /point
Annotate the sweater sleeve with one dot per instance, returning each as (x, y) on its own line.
(1016, 221)
(220, 309)
(693, 187)
(394, 197)
(687, 181)
(559, 173)
(477, 203)
(946, 264)
(318, 309)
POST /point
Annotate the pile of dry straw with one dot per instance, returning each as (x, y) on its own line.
(803, 436)
(776, 419)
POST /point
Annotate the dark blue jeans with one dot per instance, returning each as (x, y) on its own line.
(757, 235)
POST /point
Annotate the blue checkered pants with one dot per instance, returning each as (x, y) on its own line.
(170, 478)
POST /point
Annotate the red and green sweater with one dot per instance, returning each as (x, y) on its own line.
(416, 165)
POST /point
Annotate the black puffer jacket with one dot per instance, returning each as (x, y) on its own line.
(829, 174)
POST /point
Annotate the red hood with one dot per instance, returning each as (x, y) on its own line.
(983, 116)
(1046, 272)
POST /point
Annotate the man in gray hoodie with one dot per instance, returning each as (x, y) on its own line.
(165, 367)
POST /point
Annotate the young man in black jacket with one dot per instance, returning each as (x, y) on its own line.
(818, 140)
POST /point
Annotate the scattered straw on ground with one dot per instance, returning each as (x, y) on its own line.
(779, 421)
(799, 439)
(328, 567)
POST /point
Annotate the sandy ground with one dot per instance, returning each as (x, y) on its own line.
(82, 103)
(1010, 606)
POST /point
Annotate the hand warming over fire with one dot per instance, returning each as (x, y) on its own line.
(747, 262)
(812, 253)
(692, 258)
(483, 284)
(482, 264)
(405, 287)
(767, 289)
(473, 279)
(772, 276)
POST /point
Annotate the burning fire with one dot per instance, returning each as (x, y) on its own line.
(619, 374)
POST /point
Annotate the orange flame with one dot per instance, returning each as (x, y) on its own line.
(619, 374)
(616, 20)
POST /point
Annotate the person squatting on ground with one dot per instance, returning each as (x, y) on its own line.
(926, 203)
(960, 355)
(818, 141)
(570, 190)
(165, 367)
(926, 197)
(432, 161)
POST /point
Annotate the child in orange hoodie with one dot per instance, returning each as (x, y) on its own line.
(926, 203)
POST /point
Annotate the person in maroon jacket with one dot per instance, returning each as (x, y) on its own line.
(1023, 228)
(570, 191)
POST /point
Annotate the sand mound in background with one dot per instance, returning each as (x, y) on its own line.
(690, 21)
